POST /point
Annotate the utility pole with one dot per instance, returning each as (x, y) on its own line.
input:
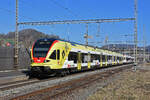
(106, 42)
(127, 43)
(144, 41)
(16, 60)
(86, 36)
(98, 30)
(135, 32)
(98, 34)
(68, 32)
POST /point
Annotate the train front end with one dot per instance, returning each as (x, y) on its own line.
(41, 50)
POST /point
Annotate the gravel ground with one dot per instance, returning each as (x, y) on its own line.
(5, 95)
(144, 67)
(84, 93)
(132, 85)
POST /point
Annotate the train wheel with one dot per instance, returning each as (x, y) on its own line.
(67, 71)
(61, 73)
(32, 75)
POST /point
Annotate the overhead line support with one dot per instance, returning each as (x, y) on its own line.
(76, 21)
(16, 57)
(135, 32)
(86, 34)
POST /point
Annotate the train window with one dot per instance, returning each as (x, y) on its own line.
(117, 58)
(58, 54)
(84, 58)
(109, 57)
(41, 48)
(98, 57)
(63, 54)
(95, 57)
(92, 57)
(103, 58)
(73, 57)
(89, 57)
(53, 55)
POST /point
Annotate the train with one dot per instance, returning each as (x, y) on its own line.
(60, 57)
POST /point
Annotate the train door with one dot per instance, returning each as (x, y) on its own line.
(101, 61)
(89, 59)
(115, 59)
(120, 60)
(54, 58)
(112, 60)
(105, 60)
(79, 61)
(58, 57)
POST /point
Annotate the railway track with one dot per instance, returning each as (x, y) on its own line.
(59, 90)
(16, 84)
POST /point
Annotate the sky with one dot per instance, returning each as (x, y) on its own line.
(53, 10)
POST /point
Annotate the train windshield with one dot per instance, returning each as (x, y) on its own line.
(41, 48)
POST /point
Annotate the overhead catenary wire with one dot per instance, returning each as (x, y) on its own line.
(73, 21)
(65, 8)
(13, 13)
(77, 21)
(29, 5)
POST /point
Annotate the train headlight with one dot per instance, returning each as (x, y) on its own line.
(45, 61)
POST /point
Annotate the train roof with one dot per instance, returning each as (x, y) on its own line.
(47, 39)
(74, 44)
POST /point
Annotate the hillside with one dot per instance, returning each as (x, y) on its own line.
(26, 37)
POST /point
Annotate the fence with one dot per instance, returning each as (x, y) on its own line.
(7, 58)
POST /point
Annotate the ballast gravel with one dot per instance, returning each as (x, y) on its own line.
(8, 94)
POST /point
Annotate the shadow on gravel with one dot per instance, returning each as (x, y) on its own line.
(46, 76)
